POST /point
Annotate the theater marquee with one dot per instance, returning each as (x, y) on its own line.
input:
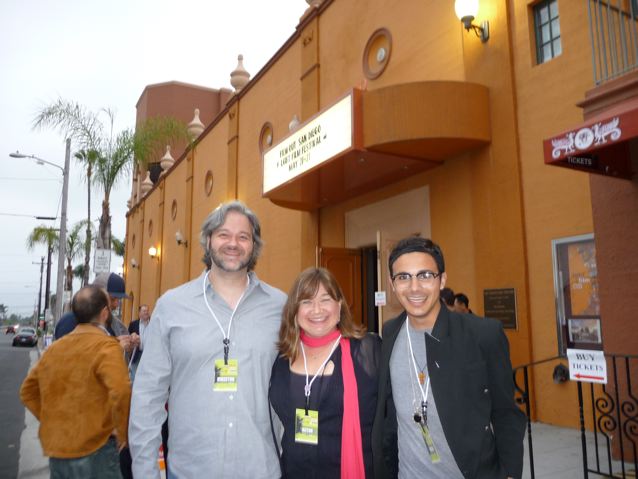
(322, 138)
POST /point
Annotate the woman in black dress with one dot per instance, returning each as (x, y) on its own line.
(324, 383)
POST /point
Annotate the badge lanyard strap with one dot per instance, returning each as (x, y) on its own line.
(226, 335)
(424, 394)
(308, 385)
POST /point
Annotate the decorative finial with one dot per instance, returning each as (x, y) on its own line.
(167, 160)
(239, 77)
(147, 184)
(294, 123)
(195, 127)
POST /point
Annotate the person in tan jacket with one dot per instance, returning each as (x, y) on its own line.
(80, 392)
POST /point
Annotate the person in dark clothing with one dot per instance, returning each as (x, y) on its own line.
(324, 382)
(462, 304)
(446, 395)
(447, 296)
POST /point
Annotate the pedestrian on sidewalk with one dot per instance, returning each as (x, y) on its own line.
(208, 351)
(446, 396)
(80, 392)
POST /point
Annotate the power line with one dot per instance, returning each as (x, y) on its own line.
(15, 178)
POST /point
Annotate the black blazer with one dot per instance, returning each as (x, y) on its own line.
(134, 327)
(472, 383)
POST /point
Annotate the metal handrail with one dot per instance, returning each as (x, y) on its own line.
(602, 424)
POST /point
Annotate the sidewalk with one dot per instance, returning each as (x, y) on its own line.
(33, 464)
(557, 450)
(558, 454)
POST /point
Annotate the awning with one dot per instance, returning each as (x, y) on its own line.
(369, 139)
(603, 145)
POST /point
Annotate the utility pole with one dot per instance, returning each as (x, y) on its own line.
(47, 292)
(59, 295)
(40, 293)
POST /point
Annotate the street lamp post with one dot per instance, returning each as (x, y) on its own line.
(40, 292)
(59, 294)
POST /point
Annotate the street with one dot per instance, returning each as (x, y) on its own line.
(15, 363)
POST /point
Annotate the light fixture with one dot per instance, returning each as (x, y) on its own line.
(467, 10)
(179, 237)
(153, 252)
(134, 263)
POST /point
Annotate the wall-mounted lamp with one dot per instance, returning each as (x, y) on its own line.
(153, 252)
(134, 263)
(179, 237)
(467, 10)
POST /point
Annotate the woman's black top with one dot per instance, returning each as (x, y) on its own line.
(287, 394)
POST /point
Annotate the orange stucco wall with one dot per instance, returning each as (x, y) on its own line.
(493, 209)
(556, 201)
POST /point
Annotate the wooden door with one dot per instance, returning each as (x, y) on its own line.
(392, 306)
(345, 265)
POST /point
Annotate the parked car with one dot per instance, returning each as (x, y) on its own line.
(26, 337)
(11, 330)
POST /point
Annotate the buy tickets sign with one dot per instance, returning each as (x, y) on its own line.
(586, 365)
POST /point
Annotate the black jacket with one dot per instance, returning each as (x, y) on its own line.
(472, 383)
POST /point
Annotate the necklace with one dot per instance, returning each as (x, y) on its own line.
(421, 372)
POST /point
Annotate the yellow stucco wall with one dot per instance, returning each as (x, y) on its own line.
(557, 201)
(494, 210)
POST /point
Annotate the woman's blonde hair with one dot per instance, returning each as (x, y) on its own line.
(305, 287)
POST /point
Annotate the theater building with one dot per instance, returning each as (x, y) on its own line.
(511, 145)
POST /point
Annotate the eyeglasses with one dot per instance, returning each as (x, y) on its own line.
(402, 280)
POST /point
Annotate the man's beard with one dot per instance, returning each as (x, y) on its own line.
(221, 264)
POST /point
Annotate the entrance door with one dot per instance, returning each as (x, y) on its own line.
(392, 306)
(345, 265)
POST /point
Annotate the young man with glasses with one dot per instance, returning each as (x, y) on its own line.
(453, 414)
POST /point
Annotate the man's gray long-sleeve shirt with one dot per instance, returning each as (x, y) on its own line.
(211, 433)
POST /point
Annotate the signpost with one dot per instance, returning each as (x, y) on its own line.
(102, 263)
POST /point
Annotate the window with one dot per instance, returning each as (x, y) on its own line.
(547, 28)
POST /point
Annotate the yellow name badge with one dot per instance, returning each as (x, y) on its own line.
(226, 375)
(307, 426)
(429, 443)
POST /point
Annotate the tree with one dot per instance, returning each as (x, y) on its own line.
(3, 311)
(87, 158)
(115, 153)
(78, 271)
(75, 245)
(44, 235)
(117, 246)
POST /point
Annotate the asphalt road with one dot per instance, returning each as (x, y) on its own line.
(15, 365)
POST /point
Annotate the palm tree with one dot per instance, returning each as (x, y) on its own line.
(87, 158)
(115, 153)
(117, 246)
(75, 245)
(48, 236)
(78, 271)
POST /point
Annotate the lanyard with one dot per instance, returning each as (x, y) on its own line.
(424, 394)
(308, 385)
(226, 335)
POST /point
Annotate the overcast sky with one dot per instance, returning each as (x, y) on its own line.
(103, 54)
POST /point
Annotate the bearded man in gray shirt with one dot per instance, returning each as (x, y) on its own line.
(208, 352)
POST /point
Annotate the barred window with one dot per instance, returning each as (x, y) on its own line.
(547, 28)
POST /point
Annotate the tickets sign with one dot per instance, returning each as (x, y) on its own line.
(587, 365)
